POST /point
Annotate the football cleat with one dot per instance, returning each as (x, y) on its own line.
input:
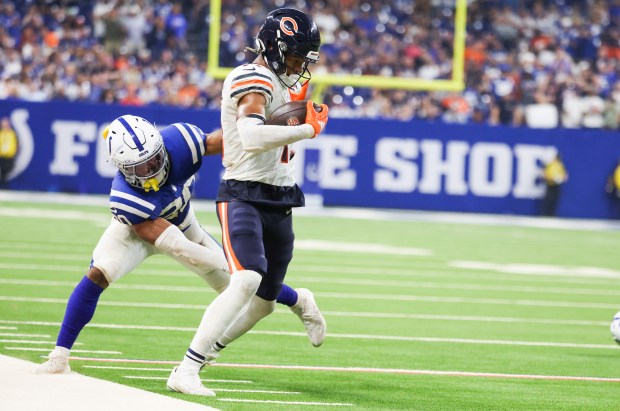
(187, 381)
(307, 310)
(57, 363)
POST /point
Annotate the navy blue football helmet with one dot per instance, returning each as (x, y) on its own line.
(287, 32)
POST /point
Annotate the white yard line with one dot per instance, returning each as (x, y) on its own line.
(448, 340)
(472, 270)
(101, 201)
(429, 317)
(47, 350)
(151, 369)
(378, 337)
(462, 318)
(322, 404)
(25, 335)
(349, 296)
(353, 282)
(369, 370)
(356, 282)
(141, 377)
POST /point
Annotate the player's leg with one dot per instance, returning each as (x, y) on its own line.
(242, 232)
(278, 239)
(118, 252)
(300, 303)
(279, 251)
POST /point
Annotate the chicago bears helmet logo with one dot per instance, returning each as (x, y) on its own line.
(292, 26)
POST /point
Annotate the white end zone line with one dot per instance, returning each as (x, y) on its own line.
(367, 370)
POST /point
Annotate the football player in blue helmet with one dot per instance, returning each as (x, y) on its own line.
(152, 214)
(285, 35)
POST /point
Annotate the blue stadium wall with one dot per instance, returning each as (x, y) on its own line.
(361, 163)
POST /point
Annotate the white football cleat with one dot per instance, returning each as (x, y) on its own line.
(307, 310)
(57, 362)
(187, 381)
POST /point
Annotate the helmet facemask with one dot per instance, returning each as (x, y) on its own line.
(289, 33)
(149, 173)
(301, 77)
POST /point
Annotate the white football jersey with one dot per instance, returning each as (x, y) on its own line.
(273, 167)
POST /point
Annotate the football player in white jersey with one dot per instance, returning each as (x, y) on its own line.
(152, 214)
(258, 189)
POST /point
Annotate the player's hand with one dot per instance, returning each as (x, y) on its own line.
(301, 93)
(317, 119)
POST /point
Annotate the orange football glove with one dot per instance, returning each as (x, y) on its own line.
(317, 119)
(301, 94)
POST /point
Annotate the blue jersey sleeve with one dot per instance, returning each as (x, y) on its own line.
(186, 145)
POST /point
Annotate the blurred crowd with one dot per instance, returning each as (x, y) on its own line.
(536, 63)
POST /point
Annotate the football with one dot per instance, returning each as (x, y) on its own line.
(615, 327)
(290, 114)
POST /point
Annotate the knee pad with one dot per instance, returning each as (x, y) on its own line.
(246, 280)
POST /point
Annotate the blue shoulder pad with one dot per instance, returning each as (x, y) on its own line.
(186, 145)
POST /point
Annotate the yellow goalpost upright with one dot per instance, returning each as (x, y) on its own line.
(319, 82)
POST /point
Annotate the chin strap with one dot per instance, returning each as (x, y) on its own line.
(151, 183)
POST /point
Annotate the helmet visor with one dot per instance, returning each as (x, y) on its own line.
(149, 167)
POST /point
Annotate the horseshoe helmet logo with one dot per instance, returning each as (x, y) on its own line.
(290, 28)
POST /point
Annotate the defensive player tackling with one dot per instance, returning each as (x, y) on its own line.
(152, 214)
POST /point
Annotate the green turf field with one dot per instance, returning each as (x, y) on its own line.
(421, 315)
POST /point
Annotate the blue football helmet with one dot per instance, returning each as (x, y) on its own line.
(287, 32)
(137, 148)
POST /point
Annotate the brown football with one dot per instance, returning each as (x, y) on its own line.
(290, 114)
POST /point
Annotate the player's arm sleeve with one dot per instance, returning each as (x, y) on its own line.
(257, 137)
(167, 238)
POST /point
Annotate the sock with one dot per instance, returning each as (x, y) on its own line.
(195, 360)
(287, 296)
(80, 310)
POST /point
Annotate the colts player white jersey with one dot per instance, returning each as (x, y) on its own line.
(274, 167)
(186, 145)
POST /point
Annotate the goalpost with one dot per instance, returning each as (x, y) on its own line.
(320, 82)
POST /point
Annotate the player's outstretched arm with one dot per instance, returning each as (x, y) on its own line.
(258, 137)
(170, 240)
